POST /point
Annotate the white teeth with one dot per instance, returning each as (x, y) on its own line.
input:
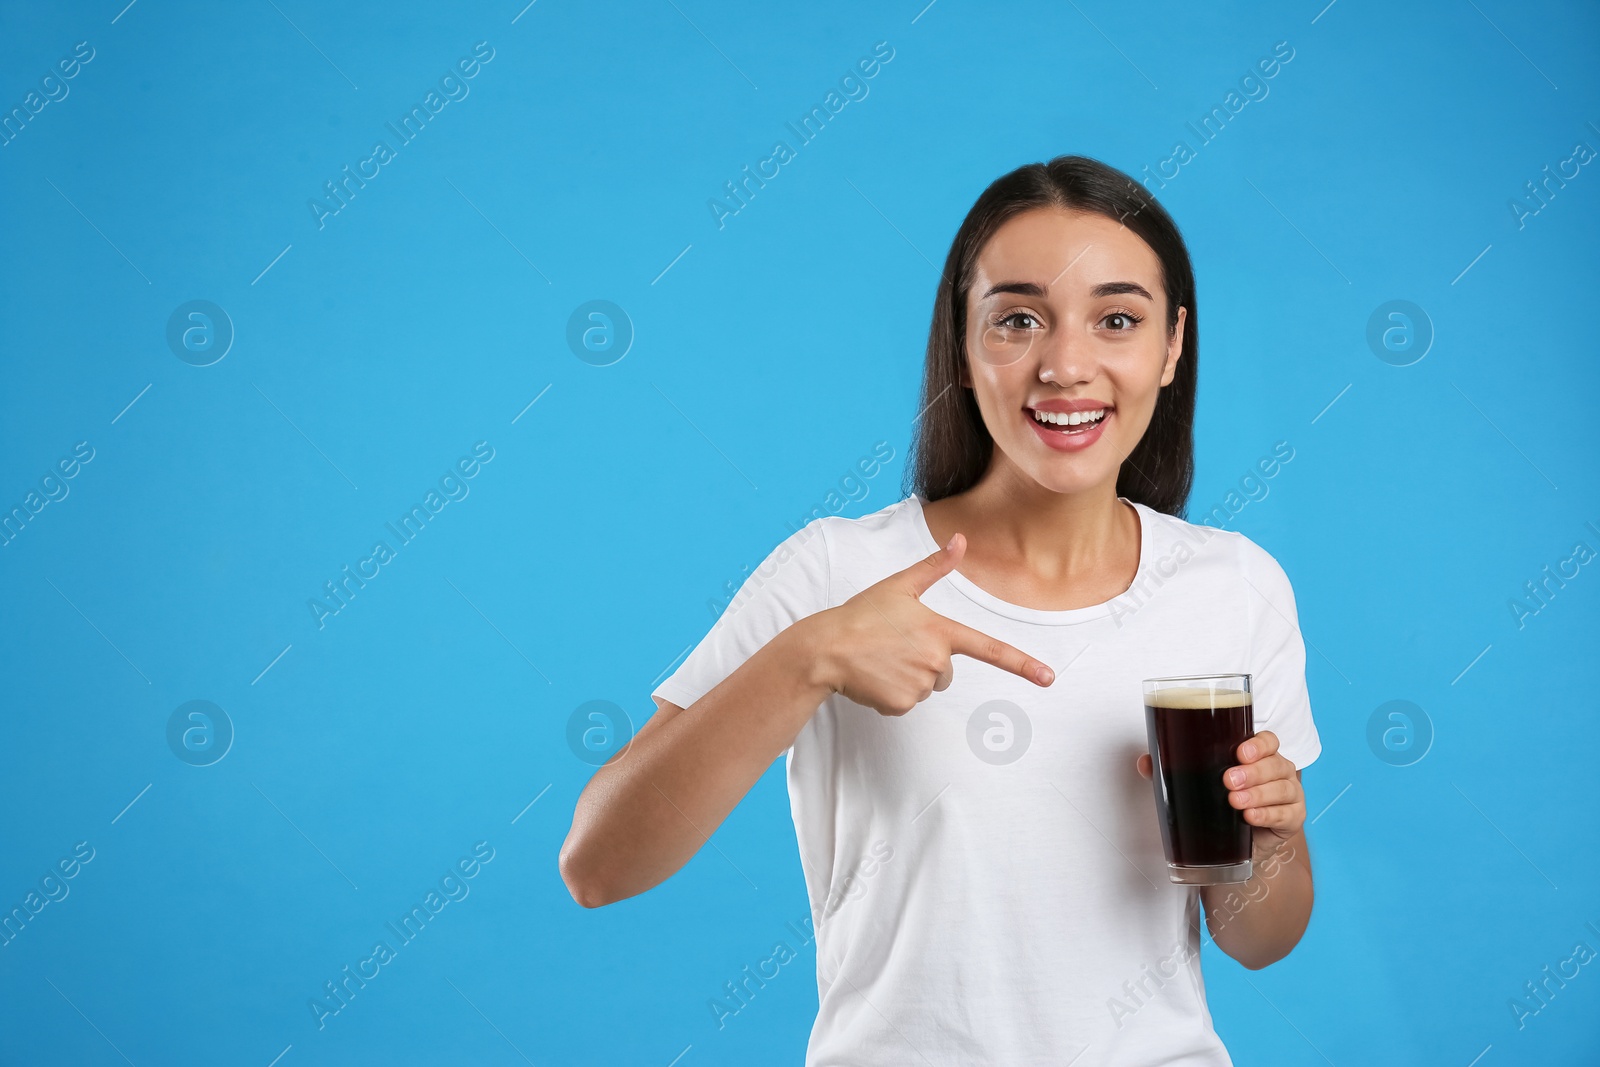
(1075, 418)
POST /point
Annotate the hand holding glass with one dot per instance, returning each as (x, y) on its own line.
(1195, 726)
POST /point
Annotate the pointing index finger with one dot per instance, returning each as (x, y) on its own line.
(979, 645)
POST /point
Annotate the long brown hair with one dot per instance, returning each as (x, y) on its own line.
(951, 447)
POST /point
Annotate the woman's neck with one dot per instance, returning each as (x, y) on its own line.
(1058, 550)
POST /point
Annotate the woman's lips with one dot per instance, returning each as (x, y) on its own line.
(1070, 439)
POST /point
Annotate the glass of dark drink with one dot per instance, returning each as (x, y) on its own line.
(1195, 727)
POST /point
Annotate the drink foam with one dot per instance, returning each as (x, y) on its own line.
(1197, 698)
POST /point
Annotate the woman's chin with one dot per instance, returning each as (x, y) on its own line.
(1067, 477)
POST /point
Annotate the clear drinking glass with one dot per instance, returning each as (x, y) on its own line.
(1195, 726)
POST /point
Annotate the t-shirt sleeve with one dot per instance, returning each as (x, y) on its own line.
(790, 584)
(1278, 658)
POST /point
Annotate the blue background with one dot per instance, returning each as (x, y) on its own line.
(769, 355)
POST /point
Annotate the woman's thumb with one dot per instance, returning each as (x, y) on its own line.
(918, 577)
(949, 556)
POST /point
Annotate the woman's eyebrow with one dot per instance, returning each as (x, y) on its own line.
(1036, 290)
(1020, 288)
(1114, 288)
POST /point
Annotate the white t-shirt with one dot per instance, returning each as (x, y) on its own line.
(987, 881)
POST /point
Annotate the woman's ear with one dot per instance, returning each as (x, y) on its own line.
(1174, 347)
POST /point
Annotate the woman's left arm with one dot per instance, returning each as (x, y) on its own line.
(1259, 921)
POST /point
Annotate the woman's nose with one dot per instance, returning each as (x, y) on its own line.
(1064, 358)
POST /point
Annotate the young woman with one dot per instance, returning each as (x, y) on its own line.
(979, 838)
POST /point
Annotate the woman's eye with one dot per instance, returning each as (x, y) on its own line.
(1125, 321)
(1018, 320)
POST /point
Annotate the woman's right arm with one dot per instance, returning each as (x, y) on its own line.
(649, 808)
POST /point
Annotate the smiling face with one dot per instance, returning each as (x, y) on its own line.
(1066, 322)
